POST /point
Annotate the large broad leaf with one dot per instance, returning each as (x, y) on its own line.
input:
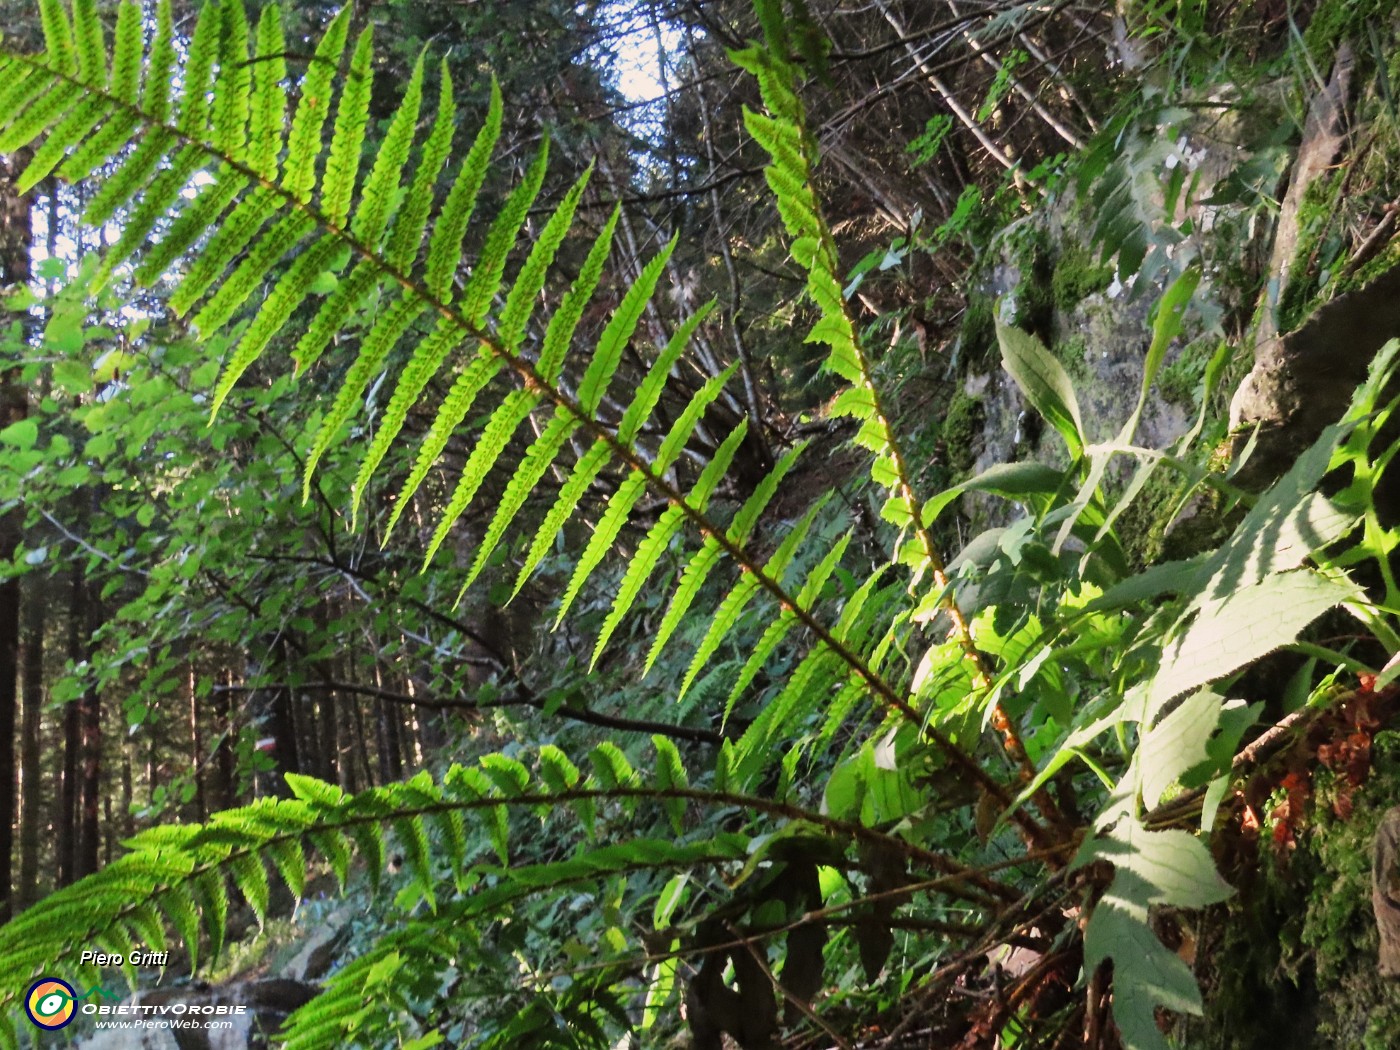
(1150, 867)
(1045, 383)
(1177, 744)
(1230, 632)
(1289, 522)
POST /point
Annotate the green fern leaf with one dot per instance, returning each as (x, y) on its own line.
(675, 440)
(610, 766)
(619, 331)
(560, 331)
(369, 841)
(198, 72)
(445, 245)
(743, 523)
(22, 84)
(279, 240)
(329, 321)
(212, 895)
(134, 173)
(413, 218)
(74, 127)
(336, 849)
(234, 83)
(804, 691)
(348, 136)
(191, 224)
(670, 774)
(413, 840)
(658, 539)
(288, 294)
(583, 474)
(304, 139)
(778, 629)
(42, 113)
(525, 290)
(290, 861)
(381, 188)
(649, 393)
(454, 409)
(139, 224)
(374, 350)
(498, 431)
(250, 877)
(615, 514)
(268, 112)
(427, 359)
(556, 770)
(155, 93)
(485, 281)
(58, 37)
(532, 467)
(233, 234)
(732, 607)
(693, 576)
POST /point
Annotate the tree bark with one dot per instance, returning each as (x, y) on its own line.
(31, 757)
(90, 720)
(16, 237)
(66, 819)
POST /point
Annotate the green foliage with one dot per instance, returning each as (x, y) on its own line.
(854, 673)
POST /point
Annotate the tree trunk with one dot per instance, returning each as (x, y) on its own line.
(196, 747)
(66, 820)
(31, 757)
(90, 717)
(221, 770)
(16, 235)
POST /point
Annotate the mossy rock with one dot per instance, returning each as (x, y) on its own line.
(962, 429)
(1078, 275)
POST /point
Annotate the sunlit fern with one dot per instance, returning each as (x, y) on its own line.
(288, 198)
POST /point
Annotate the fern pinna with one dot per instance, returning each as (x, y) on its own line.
(244, 197)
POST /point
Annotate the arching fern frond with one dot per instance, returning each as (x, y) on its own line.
(185, 877)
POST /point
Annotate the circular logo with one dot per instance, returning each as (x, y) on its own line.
(50, 1003)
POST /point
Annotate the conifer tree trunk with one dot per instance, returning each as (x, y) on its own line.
(66, 819)
(30, 745)
(16, 234)
(90, 717)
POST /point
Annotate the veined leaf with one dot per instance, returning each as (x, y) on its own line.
(1044, 382)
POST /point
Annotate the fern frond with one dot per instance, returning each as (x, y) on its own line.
(304, 138)
(445, 245)
(500, 428)
(347, 139)
(234, 84)
(732, 607)
(658, 539)
(268, 111)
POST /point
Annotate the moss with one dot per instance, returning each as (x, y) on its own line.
(1316, 217)
(1180, 381)
(1034, 301)
(962, 426)
(1299, 951)
(978, 335)
(1077, 276)
(1338, 20)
